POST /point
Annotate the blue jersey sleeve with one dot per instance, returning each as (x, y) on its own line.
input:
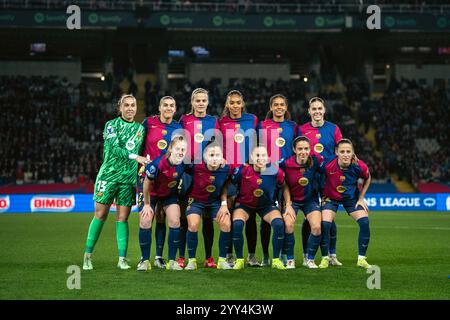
(151, 170)
(236, 177)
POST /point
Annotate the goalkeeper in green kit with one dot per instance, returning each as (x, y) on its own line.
(117, 178)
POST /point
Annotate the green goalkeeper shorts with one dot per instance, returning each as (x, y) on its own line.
(105, 192)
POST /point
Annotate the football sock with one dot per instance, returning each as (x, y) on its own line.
(325, 242)
(122, 233)
(145, 242)
(265, 237)
(192, 243)
(224, 243)
(306, 231)
(182, 244)
(174, 242)
(277, 237)
(208, 236)
(160, 237)
(250, 234)
(364, 235)
(289, 241)
(313, 245)
(95, 228)
(238, 239)
(333, 238)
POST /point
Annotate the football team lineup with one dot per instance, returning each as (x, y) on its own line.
(202, 170)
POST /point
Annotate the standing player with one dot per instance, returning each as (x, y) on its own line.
(208, 189)
(238, 130)
(323, 136)
(158, 134)
(165, 172)
(116, 178)
(201, 128)
(301, 172)
(258, 186)
(341, 187)
(277, 132)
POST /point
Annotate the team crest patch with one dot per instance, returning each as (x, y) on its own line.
(239, 138)
(258, 193)
(237, 125)
(259, 181)
(172, 184)
(342, 178)
(199, 126)
(162, 144)
(163, 132)
(341, 189)
(130, 145)
(280, 142)
(318, 135)
(198, 137)
(280, 130)
(303, 181)
(302, 170)
(212, 178)
(175, 174)
(211, 188)
(318, 148)
(99, 194)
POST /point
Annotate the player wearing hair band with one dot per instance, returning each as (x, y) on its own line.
(201, 127)
(277, 132)
(116, 179)
(341, 187)
(301, 172)
(209, 196)
(258, 186)
(165, 172)
(238, 130)
(323, 136)
(159, 130)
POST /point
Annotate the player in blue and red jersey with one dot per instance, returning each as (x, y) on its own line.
(341, 187)
(238, 135)
(258, 186)
(165, 172)
(159, 131)
(277, 132)
(208, 195)
(323, 136)
(200, 127)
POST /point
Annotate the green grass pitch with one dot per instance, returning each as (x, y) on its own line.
(411, 248)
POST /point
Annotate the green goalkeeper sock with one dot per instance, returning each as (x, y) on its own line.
(95, 228)
(122, 237)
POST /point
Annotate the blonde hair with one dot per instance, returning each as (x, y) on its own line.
(122, 98)
(175, 139)
(197, 91)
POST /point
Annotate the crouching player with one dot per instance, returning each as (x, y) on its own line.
(341, 187)
(209, 195)
(301, 172)
(258, 186)
(161, 185)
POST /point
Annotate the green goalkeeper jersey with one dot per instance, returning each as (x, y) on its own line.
(122, 138)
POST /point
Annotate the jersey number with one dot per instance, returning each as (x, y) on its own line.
(101, 186)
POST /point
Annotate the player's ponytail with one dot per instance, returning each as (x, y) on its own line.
(269, 114)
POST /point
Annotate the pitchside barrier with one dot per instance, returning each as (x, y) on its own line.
(30, 203)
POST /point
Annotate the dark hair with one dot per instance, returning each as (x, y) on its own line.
(343, 141)
(226, 112)
(298, 139)
(269, 114)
